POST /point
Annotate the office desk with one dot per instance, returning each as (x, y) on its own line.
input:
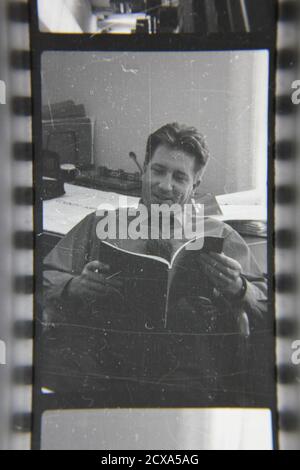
(62, 214)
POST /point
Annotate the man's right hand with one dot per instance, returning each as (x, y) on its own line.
(92, 285)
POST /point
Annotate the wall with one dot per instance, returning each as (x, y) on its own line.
(132, 94)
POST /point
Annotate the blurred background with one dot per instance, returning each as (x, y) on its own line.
(156, 16)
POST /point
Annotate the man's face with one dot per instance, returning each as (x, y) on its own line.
(169, 178)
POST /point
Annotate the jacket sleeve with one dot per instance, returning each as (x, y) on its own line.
(64, 262)
(255, 301)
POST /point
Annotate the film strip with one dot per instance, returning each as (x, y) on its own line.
(287, 301)
(288, 329)
(22, 256)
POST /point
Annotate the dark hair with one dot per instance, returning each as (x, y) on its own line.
(180, 137)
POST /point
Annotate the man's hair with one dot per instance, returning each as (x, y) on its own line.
(179, 137)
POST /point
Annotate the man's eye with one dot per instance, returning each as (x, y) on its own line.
(180, 179)
(157, 171)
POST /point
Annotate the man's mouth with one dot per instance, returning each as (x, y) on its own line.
(157, 199)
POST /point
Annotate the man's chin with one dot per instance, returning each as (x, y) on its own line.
(156, 201)
(160, 202)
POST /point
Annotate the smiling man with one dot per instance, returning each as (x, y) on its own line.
(219, 305)
(174, 165)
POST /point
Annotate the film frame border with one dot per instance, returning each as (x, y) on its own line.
(21, 151)
(23, 194)
(286, 230)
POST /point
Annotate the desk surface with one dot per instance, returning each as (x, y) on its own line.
(60, 215)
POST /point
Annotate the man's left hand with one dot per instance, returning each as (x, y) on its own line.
(223, 272)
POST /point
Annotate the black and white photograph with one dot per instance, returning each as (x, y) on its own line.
(153, 17)
(135, 314)
(140, 315)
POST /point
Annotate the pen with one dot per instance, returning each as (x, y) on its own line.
(253, 278)
(113, 275)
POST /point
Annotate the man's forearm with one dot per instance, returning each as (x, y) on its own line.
(56, 301)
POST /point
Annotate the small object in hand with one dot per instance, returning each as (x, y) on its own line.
(113, 276)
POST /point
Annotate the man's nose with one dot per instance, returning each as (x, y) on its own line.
(165, 183)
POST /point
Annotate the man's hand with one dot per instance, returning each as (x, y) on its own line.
(94, 284)
(223, 272)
